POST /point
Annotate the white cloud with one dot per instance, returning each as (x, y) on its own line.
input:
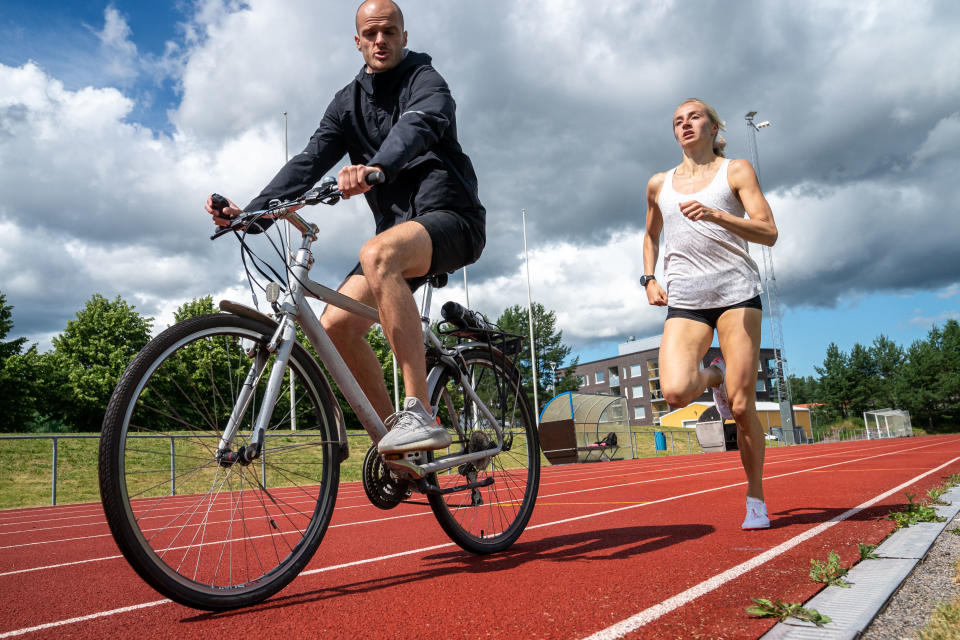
(119, 52)
(921, 320)
(564, 109)
(943, 140)
(950, 291)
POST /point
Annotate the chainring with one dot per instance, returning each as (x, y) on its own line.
(383, 487)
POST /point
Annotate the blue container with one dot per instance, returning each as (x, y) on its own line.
(661, 440)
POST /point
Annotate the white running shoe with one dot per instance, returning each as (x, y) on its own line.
(720, 391)
(757, 517)
(413, 429)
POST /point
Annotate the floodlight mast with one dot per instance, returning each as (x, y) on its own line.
(784, 393)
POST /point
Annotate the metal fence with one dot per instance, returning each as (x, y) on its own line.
(685, 440)
(173, 458)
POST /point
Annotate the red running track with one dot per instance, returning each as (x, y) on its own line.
(640, 549)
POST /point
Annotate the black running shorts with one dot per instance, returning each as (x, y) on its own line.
(710, 316)
(457, 240)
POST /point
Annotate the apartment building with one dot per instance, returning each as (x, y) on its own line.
(635, 374)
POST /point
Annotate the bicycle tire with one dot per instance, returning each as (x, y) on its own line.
(487, 519)
(227, 536)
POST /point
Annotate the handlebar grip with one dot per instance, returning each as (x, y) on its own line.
(219, 202)
(375, 178)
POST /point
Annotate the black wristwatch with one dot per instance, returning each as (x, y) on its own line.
(644, 280)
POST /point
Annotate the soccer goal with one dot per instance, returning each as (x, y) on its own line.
(887, 423)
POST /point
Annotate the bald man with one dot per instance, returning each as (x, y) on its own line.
(396, 116)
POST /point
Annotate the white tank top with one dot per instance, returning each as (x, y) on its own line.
(705, 266)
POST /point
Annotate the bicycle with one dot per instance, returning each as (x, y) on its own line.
(237, 534)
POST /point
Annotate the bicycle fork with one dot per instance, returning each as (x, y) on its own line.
(282, 344)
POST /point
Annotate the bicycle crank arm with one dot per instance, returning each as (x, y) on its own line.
(426, 487)
(399, 462)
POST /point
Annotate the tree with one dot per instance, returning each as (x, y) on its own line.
(835, 380)
(929, 385)
(948, 380)
(888, 361)
(549, 349)
(194, 308)
(91, 354)
(862, 376)
(805, 389)
(20, 384)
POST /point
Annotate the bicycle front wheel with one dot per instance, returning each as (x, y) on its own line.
(204, 532)
(489, 518)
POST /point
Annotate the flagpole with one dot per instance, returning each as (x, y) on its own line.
(533, 346)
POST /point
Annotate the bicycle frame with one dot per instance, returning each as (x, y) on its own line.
(293, 310)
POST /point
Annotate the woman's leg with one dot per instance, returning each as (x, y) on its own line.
(738, 331)
(682, 348)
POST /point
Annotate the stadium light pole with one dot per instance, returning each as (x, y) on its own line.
(773, 299)
(293, 396)
(533, 346)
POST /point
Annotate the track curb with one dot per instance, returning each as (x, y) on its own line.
(872, 582)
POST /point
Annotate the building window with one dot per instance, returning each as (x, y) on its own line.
(760, 385)
(638, 391)
(639, 413)
(653, 369)
(582, 381)
(636, 370)
(600, 377)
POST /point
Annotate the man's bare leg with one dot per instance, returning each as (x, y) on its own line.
(401, 252)
(348, 333)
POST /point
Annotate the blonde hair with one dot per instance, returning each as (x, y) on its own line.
(719, 143)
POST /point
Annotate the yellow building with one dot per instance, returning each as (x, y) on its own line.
(768, 412)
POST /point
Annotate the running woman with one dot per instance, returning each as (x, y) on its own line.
(709, 208)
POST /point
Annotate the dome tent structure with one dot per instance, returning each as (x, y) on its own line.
(580, 427)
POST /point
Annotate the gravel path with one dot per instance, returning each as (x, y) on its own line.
(931, 583)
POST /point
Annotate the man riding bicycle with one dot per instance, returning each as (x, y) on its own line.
(398, 117)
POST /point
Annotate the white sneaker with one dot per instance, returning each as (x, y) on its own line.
(413, 429)
(720, 391)
(757, 517)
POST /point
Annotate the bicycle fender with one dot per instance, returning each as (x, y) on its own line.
(245, 311)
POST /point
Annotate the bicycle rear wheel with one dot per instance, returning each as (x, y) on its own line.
(487, 519)
(207, 534)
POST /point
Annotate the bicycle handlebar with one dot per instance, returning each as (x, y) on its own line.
(327, 193)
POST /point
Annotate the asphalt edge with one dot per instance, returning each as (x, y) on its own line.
(872, 582)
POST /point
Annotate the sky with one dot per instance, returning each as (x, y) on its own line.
(117, 119)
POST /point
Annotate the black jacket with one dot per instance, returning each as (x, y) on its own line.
(404, 120)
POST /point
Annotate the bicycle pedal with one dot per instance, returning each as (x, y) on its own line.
(426, 487)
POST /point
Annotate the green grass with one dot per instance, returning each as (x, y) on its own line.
(27, 466)
(766, 608)
(914, 513)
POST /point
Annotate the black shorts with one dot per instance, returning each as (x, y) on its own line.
(458, 240)
(710, 316)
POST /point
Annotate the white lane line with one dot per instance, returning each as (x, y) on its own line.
(694, 493)
(650, 614)
(674, 601)
(539, 496)
(92, 616)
